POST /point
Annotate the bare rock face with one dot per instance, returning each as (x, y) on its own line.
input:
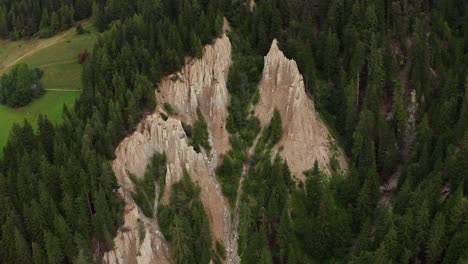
(138, 241)
(305, 137)
(200, 84)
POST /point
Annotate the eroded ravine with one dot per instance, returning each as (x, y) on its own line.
(305, 136)
(201, 84)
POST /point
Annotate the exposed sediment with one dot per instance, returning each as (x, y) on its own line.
(305, 137)
(200, 84)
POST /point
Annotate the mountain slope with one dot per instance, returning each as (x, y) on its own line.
(305, 137)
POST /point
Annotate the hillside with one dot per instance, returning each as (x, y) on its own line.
(241, 132)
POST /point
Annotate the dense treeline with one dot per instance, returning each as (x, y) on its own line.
(185, 224)
(361, 60)
(20, 86)
(58, 195)
(23, 18)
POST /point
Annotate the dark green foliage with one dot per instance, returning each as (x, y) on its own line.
(57, 186)
(360, 60)
(169, 109)
(23, 19)
(185, 224)
(220, 250)
(56, 197)
(145, 188)
(79, 29)
(244, 75)
(20, 85)
(200, 134)
(187, 129)
(276, 127)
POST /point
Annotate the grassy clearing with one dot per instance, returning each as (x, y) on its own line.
(57, 57)
(50, 105)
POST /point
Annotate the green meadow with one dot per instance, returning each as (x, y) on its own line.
(57, 57)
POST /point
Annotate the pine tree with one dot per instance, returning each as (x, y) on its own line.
(276, 24)
(350, 108)
(38, 255)
(53, 248)
(462, 125)
(285, 236)
(387, 149)
(99, 17)
(332, 49)
(55, 23)
(391, 243)
(196, 46)
(23, 253)
(265, 256)
(276, 127)
(180, 242)
(3, 22)
(65, 236)
(436, 243)
(399, 110)
(81, 258)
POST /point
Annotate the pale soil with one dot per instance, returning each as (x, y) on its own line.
(200, 84)
(305, 137)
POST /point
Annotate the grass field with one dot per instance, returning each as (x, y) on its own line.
(57, 57)
(50, 105)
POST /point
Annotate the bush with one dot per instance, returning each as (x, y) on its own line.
(83, 56)
(188, 129)
(20, 86)
(163, 116)
(145, 187)
(200, 134)
(79, 29)
(220, 250)
(169, 109)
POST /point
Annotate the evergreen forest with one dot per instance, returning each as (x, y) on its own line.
(389, 77)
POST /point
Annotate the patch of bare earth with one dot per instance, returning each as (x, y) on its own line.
(305, 137)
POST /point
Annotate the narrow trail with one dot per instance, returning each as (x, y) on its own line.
(36, 50)
(56, 63)
(63, 90)
(389, 187)
(235, 224)
(230, 240)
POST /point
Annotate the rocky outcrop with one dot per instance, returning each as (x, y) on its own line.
(200, 84)
(305, 137)
(139, 240)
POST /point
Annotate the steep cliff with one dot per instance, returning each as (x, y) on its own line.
(200, 84)
(305, 137)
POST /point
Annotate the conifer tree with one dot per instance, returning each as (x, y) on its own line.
(276, 127)
(55, 22)
(3, 22)
(38, 255)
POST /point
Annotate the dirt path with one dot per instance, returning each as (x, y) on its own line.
(63, 90)
(235, 224)
(56, 63)
(39, 47)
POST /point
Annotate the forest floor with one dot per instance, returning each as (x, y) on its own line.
(57, 58)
